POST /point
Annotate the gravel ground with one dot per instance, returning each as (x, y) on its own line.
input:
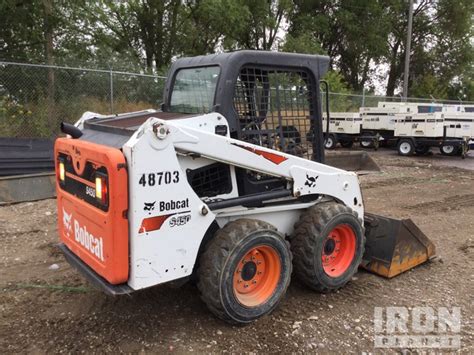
(46, 306)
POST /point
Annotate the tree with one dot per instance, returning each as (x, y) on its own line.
(352, 32)
(359, 35)
(304, 43)
(26, 28)
(263, 23)
(212, 25)
(441, 47)
(146, 35)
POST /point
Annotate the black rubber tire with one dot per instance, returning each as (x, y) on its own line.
(347, 144)
(218, 262)
(368, 144)
(307, 244)
(456, 151)
(402, 143)
(422, 150)
(330, 142)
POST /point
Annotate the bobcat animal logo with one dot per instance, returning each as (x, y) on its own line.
(311, 181)
(67, 217)
(149, 206)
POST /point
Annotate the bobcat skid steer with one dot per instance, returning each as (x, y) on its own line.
(226, 183)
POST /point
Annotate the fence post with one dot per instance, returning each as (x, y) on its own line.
(111, 91)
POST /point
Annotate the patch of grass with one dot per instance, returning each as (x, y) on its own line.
(63, 288)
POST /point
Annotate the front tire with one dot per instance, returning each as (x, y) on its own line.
(405, 147)
(244, 271)
(330, 142)
(327, 245)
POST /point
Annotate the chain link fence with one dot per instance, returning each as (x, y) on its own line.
(34, 99)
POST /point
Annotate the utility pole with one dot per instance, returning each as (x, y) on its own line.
(407, 51)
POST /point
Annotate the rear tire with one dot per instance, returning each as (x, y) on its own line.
(422, 150)
(449, 150)
(366, 144)
(330, 142)
(347, 144)
(327, 244)
(405, 147)
(244, 271)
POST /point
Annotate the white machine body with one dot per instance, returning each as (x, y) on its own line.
(167, 219)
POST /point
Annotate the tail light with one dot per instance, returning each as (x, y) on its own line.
(101, 191)
(62, 171)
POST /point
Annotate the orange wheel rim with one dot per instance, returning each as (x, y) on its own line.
(256, 276)
(339, 249)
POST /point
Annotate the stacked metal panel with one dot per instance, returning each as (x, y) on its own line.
(19, 156)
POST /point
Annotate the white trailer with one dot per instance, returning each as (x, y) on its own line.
(417, 133)
(379, 122)
(459, 124)
(344, 128)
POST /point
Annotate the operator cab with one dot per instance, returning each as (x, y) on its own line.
(269, 99)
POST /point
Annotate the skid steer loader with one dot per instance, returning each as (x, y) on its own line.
(227, 183)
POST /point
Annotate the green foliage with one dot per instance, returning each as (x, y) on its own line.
(428, 85)
(441, 45)
(145, 35)
(21, 30)
(12, 115)
(353, 32)
(304, 43)
(342, 101)
(336, 82)
(462, 88)
(359, 34)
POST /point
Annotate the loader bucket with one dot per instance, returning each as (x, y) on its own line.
(359, 162)
(394, 246)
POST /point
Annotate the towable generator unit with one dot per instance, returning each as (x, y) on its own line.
(223, 186)
(344, 128)
(419, 132)
(459, 124)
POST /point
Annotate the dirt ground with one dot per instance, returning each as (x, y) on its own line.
(46, 306)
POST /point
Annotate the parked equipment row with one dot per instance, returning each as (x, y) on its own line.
(411, 127)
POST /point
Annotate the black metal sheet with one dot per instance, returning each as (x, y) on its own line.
(19, 156)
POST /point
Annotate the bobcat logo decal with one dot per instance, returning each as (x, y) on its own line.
(310, 181)
(149, 206)
(67, 217)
